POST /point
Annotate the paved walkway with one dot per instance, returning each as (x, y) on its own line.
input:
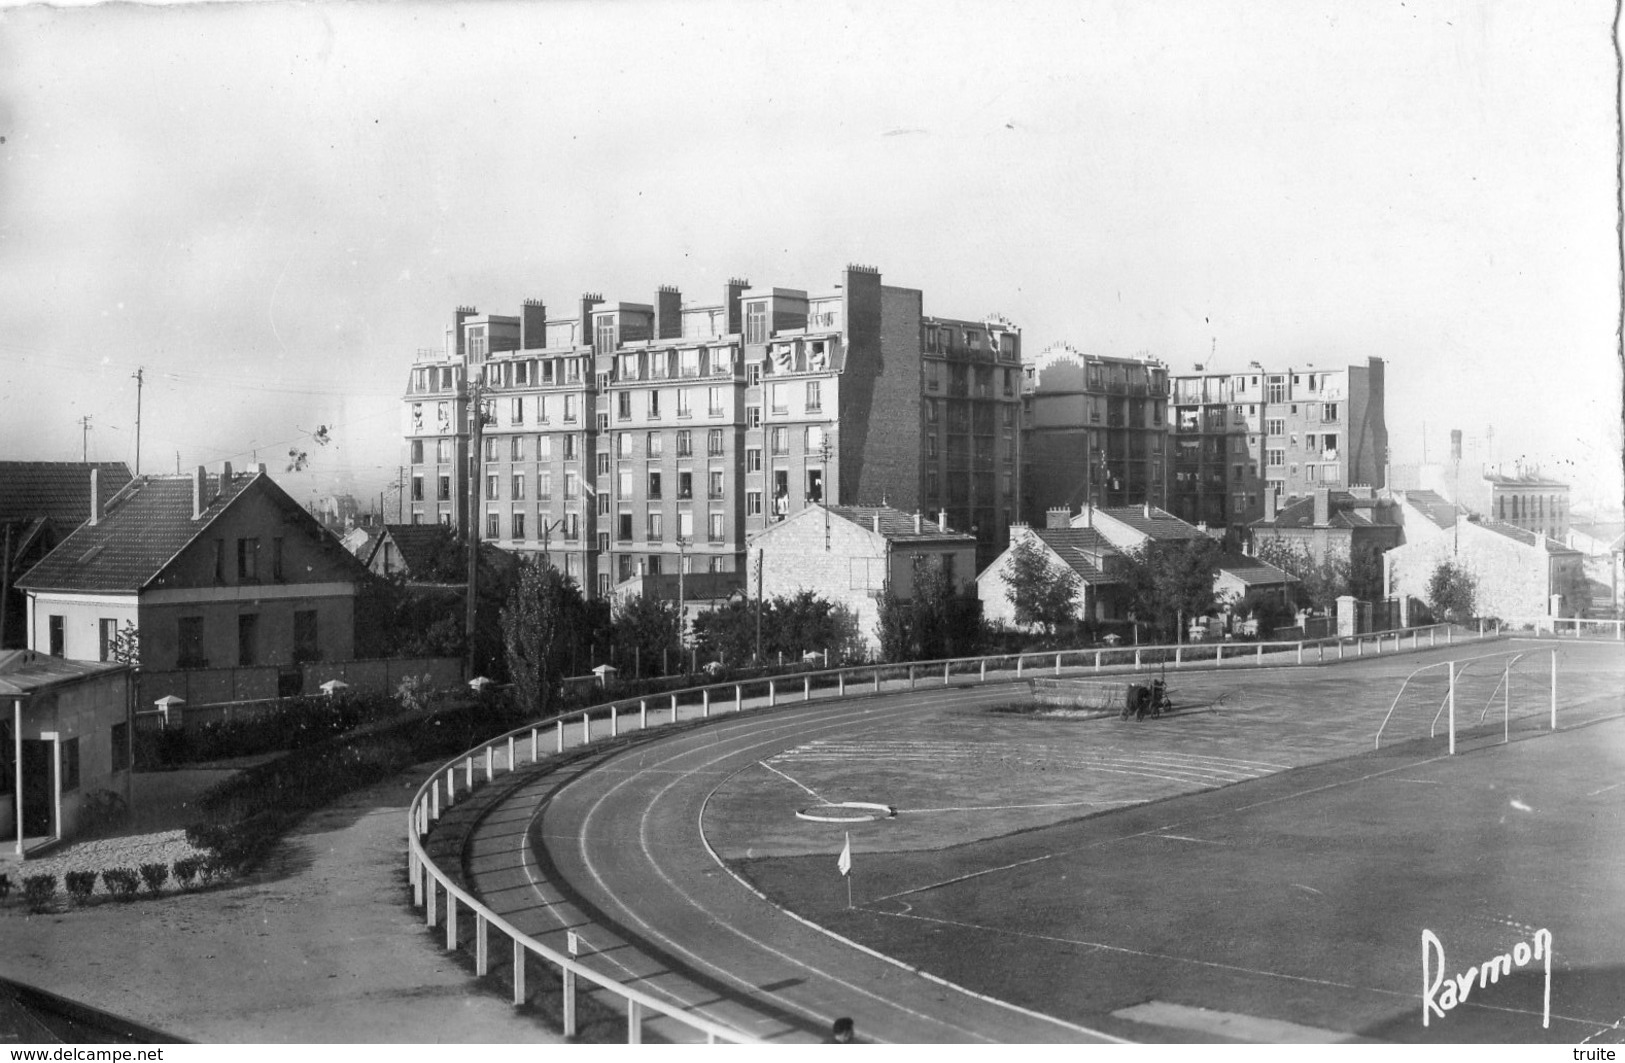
(319, 946)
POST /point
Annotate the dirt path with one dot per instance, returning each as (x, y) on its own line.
(318, 946)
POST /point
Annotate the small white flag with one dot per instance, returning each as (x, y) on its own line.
(845, 862)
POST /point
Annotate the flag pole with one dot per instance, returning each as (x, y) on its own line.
(849, 890)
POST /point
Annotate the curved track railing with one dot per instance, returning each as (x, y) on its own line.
(443, 900)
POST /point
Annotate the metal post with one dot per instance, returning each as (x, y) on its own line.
(1261, 653)
(451, 785)
(569, 980)
(643, 714)
(434, 800)
(1433, 636)
(1097, 660)
(1057, 664)
(418, 875)
(1136, 658)
(511, 763)
(877, 680)
(806, 688)
(1218, 654)
(518, 973)
(1506, 704)
(535, 744)
(945, 667)
(586, 729)
(772, 693)
(634, 1023)
(840, 683)
(1019, 662)
(1554, 690)
(482, 945)
(705, 703)
(911, 677)
(451, 920)
(1452, 708)
(1179, 655)
(468, 772)
(984, 669)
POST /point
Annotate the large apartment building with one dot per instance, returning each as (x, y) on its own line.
(630, 439)
(1237, 435)
(1096, 431)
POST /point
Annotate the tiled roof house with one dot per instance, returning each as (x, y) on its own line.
(213, 571)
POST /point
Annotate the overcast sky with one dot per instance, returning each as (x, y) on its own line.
(269, 208)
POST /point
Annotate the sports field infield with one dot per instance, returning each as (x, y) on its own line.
(1247, 870)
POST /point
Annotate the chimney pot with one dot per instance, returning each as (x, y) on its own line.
(225, 476)
(942, 519)
(917, 528)
(95, 497)
(1058, 517)
(875, 520)
(199, 477)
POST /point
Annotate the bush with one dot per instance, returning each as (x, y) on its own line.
(211, 868)
(121, 882)
(38, 891)
(102, 809)
(155, 874)
(186, 870)
(5, 887)
(81, 884)
(293, 723)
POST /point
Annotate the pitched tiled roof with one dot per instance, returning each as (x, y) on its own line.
(1076, 547)
(58, 491)
(23, 671)
(1531, 480)
(1346, 512)
(1437, 508)
(142, 528)
(417, 543)
(1253, 572)
(1527, 538)
(895, 525)
(1161, 525)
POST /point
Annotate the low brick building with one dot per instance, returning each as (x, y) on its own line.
(849, 554)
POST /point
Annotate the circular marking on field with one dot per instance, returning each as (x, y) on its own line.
(846, 812)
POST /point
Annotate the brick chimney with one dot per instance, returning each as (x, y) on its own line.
(1058, 517)
(225, 477)
(1323, 506)
(730, 304)
(668, 313)
(942, 519)
(1148, 509)
(532, 325)
(1269, 503)
(95, 497)
(200, 479)
(588, 301)
(1088, 514)
(460, 315)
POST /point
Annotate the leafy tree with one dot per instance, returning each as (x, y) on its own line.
(542, 619)
(1365, 575)
(1320, 581)
(1451, 592)
(1042, 592)
(934, 623)
(647, 634)
(1171, 582)
(790, 625)
(1570, 581)
(127, 644)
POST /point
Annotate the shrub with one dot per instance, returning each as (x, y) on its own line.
(5, 887)
(155, 874)
(211, 868)
(80, 885)
(186, 870)
(121, 882)
(38, 891)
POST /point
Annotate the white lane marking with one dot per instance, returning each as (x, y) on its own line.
(1006, 808)
(1183, 838)
(1311, 889)
(781, 775)
(721, 922)
(1231, 1024)
(1605, 789)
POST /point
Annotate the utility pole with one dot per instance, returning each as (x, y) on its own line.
(138, 381)
(84, 438)
(477, 412)
(400, 493)
(682, 618)
(761, 564)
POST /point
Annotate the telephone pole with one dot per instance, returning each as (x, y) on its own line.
(138, 381)
(84, 438)
(477, 412)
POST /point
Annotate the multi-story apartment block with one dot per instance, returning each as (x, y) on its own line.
(1095, 431)
(639, 439)
(1288, 431)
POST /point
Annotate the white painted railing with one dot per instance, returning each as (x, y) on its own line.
(442, 899)
(1569, 625)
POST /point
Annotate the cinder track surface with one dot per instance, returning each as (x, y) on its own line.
(627, 847)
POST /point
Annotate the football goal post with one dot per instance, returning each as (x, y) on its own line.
(1521, 684)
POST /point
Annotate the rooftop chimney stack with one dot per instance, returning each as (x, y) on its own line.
(225, 477)
(1148, 509)
(918, 530)
(875, 520)
(1088, 514)
(1323, 506)
(668, 313)
(532, 325)
(942, 519)
(730, 304)
(1058, 517)
(95, 497)
(200, 477)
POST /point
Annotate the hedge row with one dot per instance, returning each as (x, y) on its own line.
(123, 883)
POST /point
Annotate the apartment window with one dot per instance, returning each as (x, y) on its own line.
(623, 405)
(491, 487)
(654, 565)
(753, 503)
(685, 525)
(491, 444)
(189, 643)
(121, 747)
(603, 464)
(248, 559)
(247, 629)
(623, 527)
(603, 502)
(815, 485)
(570, 405)
(753, 459)
(933, 369)
(603, 542)
(443, 490)
(781, 398)
(569, 448)
(572, 527)
(493, 526)
(654, 405)
(714, 402)
(815, 396)
(685, 444)
(603, 340)
(1275, 426)
(931, 446)
(623, 484)
(108, 632)
(544, 484)
(753, 416)
(1238, 473)
(70, 764)
(654, 484)
(1275, 458)
(713, 442)
(1275, 391)
(685, 485)
(1328, 412)
(714, 484)
(689, 362)
(781, 493)
(656, 526)
(717, 527)
(623, 565)
(518, 488)
(685, 402)
(417, 452)
(753, 374)
(516, 414)
(572, 485)
(781, 441)
(931, 411)
(541, 406)
(417, 489)
(1309, 472)
(518, 524)
(442, 451)
(755, 322)
(516, 448)
(623, 444)
(652, 443)
(814, 439)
